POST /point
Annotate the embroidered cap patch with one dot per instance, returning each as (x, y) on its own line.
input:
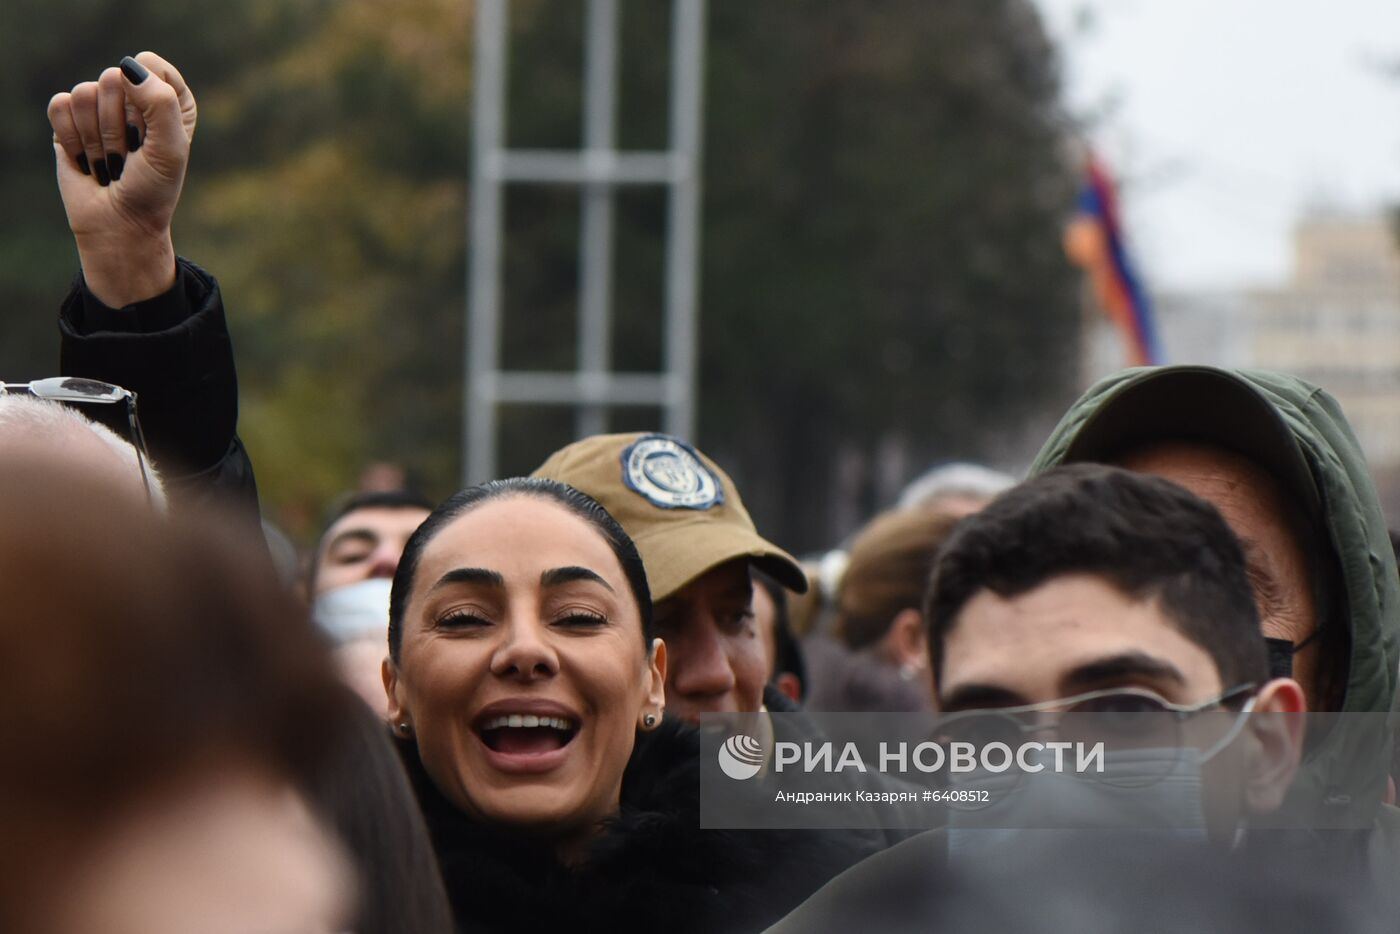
(670, 474)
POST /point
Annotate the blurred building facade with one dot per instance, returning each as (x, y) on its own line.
(1335, 322)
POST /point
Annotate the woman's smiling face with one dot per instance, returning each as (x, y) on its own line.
(523, 672)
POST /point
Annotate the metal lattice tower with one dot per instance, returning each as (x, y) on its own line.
(598, 169)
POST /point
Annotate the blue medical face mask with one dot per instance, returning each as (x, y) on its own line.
(1145, 789)
(1157, 790)
(355, 611)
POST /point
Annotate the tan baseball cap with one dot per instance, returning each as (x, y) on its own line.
(682, 511)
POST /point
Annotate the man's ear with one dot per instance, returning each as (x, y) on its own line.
(905, 642)
(397, 713)
(1275, 744)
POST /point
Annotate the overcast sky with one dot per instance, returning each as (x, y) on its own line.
(1228, 119)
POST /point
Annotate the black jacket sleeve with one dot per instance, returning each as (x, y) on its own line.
(174, 352)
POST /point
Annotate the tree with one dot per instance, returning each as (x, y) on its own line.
(883, 276)
(882, 273)
(882, 284)
(339, 240)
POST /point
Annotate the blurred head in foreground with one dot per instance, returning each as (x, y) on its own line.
(160, 696)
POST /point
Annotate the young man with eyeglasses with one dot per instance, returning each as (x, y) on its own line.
(1100, 592)
(1122, 600)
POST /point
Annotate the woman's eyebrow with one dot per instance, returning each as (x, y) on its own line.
(567, 575)
(470, 576)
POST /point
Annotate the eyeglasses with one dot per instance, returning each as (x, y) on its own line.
(73, 389)
(1124, 720)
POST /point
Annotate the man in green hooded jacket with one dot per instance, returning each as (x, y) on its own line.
(1274, 464)
(1278, 460)
(1276, 456)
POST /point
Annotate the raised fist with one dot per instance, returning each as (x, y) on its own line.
(122, 143)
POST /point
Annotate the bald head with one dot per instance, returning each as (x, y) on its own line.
(36, 429)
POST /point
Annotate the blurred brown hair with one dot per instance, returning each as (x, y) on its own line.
(137, 652)
(890, 562)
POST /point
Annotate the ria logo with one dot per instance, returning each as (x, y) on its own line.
(741, 757)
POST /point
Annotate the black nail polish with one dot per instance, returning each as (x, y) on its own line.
(104, 178)
(83, 163)
(115, 163)
(135, 71)
(133, 138)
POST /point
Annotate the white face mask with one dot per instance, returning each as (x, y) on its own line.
(354, 611)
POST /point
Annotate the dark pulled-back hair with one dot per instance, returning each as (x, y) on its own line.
(462, 502)
(1147, 537)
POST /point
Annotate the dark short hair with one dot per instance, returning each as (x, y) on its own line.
(1146, 536)
(787, 653)
(354, 502)
(373, 499)
(456, 505)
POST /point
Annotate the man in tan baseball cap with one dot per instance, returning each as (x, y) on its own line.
(698, 544)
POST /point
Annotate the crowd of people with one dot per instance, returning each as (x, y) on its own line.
(485, 715)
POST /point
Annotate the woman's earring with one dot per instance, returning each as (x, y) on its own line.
(649, 720)
(403, 728)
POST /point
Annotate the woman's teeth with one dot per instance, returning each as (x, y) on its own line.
(516, 721)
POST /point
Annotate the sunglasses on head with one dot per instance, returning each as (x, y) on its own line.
(76, 390)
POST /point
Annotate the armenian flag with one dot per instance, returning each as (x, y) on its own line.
(1094, 242)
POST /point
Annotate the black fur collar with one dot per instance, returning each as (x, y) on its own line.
(652, 869)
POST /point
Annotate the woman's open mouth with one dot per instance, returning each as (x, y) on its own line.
(527, 734)
(524, 739)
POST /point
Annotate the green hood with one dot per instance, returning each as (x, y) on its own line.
(1351, 759)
